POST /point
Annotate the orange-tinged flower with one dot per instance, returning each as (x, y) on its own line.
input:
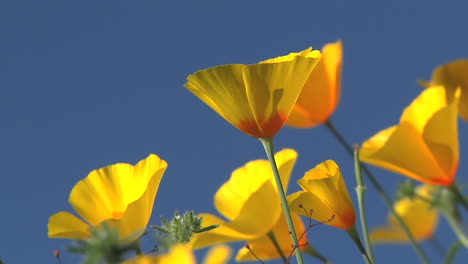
(121, 195)
(250, 200)
(325, 193)
(420, 217)
(181, 254)
(424, 146)
(454, 75)
(321, 93)
(256, 98)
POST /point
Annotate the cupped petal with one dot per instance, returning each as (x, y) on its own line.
(418, 215)
(223, 89)
(265, 249)
(454, 75)
(272, 88)
(255, 98)
(326, 194)
(231, 197)
(106, 193)
(257, 216)
(321, 93)
(218, 255)
(66, 225)
(401, 149)
(424, 146)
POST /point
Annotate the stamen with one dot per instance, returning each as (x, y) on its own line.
(247, 246)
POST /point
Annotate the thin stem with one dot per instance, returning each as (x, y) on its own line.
(314, 253)
(458, 195)
(273, 239)
(424, 258)
(360, 191)
(456, 227)
(268, 146)
(352, 232)
(453, 252)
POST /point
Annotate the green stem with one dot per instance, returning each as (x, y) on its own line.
(268, 146)
(424, 258)
(453, 252)
(273, 239)
(314, 253)
(360, 191)
(454, 224)
(352, 232)
(458, 195)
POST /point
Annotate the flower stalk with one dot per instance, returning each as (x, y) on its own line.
(352, 232)
(268, 146)
(360, 192)
(388, 201)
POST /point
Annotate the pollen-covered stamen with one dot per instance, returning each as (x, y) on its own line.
(247, 246)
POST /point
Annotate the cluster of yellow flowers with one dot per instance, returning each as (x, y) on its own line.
(301, 90)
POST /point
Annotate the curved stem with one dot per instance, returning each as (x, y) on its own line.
(268, 146)
(273, 239)
(381, 191)
(452, 252)
(355, 236)
(314, 253)
(458, 195)
(456, 228)
(360, 191)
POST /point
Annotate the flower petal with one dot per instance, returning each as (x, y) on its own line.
(326, 194)
(264, 248)
(255, 98)
(321, 93)
(106, 193)
(218, 255)
(245, 181)
(178, 254)
(452, 76)
(257, 217)
(66, 225)
(418, 215)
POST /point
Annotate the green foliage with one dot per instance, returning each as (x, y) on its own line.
(181, 228)
(104, 246)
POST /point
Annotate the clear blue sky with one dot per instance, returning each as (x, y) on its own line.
(84, 84)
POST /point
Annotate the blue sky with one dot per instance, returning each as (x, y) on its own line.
(84, 84)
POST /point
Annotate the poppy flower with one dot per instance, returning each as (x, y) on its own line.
(250, 202)
(424, 146)
(453, 75)
(321, 93)
(325, 193)
(255, 98)
(419, 216)
(121, 195)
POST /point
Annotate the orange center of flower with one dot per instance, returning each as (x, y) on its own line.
(117, 215)
(264, 128)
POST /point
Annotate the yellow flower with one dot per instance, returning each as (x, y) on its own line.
(321, 93)
(181, 254)
(418, 215)
(250, 200)
(325, 193)
(454, 75)
(256, 98)
(121, 195)
(424, 146)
